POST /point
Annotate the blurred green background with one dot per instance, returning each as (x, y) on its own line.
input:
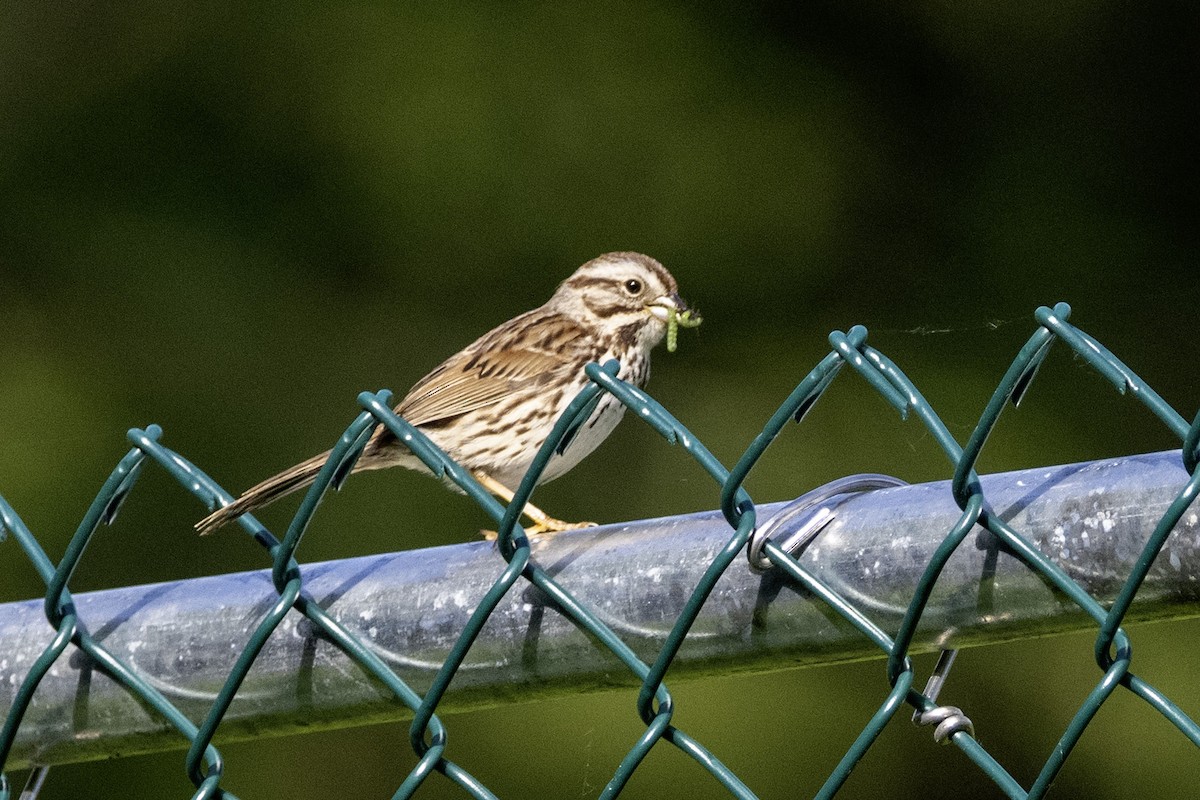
(229, 220)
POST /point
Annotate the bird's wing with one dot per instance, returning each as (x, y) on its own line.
(476, 378)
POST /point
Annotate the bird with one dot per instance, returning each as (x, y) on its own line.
(492, 405)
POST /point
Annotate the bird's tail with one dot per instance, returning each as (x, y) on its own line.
(265, 493)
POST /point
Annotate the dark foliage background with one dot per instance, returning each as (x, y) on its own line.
(230, 219)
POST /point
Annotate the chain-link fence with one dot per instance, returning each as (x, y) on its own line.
(780, 556)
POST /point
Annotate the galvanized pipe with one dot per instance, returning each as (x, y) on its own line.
(184, 636)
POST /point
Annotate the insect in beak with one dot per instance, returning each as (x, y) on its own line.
(671, 309)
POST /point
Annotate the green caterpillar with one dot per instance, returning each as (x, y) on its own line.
(677, 320)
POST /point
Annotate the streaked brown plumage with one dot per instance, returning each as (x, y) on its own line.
(491, 405)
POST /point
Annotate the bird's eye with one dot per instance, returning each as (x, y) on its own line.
(633, 286)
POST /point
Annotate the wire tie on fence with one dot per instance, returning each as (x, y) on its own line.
(799, 522)
(33, 785)
(948, 719)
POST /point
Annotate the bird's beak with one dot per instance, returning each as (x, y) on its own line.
(663, 306)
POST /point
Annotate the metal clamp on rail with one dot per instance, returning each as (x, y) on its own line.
(799, 522)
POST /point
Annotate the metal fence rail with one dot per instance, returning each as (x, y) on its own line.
(1048, 549)
(408, 608)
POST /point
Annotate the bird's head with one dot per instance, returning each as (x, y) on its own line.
(629, 296)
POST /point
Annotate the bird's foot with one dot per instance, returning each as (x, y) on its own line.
(543, 523)
(548, 525)
(544, 527)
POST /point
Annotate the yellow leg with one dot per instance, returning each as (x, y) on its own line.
(543, 522)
